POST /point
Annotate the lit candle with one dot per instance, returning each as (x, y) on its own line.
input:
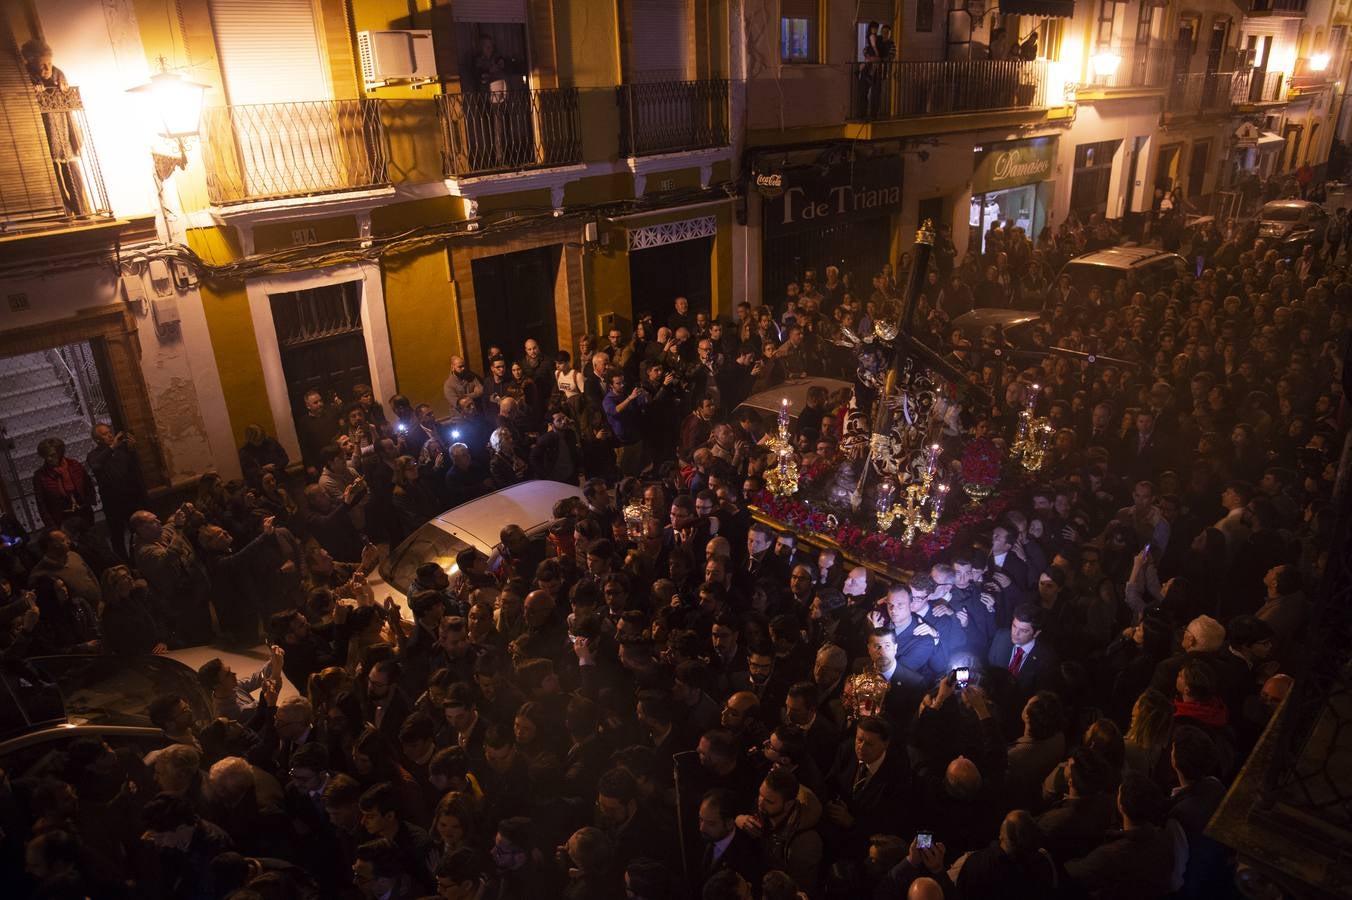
(939, 499)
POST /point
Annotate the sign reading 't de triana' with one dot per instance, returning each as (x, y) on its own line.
(812, 198)
(1014, 163)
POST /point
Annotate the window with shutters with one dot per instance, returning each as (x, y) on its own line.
(1111, 15)
(48, 170)
(799, 27)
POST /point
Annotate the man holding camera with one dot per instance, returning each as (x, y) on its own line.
(117, 472)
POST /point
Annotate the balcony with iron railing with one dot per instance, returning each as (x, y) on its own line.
(907, 89)
(1140, 66)
(278, 150)
(50, 177)
(1200, 93)
(1256, 86)
(490, 132)
(671, 116)
(1277, 7)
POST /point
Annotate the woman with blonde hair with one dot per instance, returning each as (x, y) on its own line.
(1148, 736)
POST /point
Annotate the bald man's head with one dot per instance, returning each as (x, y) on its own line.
(925, 888)
(1275, 690)
(962, 780)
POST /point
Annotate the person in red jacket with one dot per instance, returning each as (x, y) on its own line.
(62, 486)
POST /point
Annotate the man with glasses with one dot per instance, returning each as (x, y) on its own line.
(386, 705)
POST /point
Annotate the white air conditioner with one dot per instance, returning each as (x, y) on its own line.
(396, 57)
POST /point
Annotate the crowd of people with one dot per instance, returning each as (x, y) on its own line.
(650, 702)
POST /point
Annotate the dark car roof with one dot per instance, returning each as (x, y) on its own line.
(98, 690)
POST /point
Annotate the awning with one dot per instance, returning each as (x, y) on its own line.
(1267, 141)
(1063, 9)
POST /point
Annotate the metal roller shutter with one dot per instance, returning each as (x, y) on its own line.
(28, 187)
(499, 11)
(270, 51)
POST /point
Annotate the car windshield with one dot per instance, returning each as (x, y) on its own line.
(430, 543)
(1282, 214)
(117, 690)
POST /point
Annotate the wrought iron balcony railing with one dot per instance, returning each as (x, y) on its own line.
(1141, 66)
(1256, 86)
(899, 90)
(1288, 7)
(49, 174)
(670, 116)
(1200, 92)
(274, 150)
(504, 131)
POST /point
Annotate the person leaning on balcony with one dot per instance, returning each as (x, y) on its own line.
(63, 133)
(462, 383)
(61, 486)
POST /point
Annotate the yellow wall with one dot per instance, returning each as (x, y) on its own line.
(606, 276)
(233, 342)
(401, 217)
(587, 36)
(423, 314)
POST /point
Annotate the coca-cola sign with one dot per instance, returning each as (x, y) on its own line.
(1014, 163)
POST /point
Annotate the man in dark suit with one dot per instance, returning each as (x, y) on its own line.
(1020, 664)
(1145, 451)
(763, 566)
(1018, 583)
(723, 844)
(869, 785)
(903, 670)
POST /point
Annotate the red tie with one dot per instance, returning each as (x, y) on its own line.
(1017, 662)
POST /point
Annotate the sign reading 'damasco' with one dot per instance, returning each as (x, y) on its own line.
(1013, 163)
(806, 197)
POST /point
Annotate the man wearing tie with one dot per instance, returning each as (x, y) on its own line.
(725, 846)
(1023, 663)
(871, 782)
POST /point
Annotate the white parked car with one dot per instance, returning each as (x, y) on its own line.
(476, 524)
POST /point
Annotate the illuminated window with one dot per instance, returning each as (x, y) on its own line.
(798, 31)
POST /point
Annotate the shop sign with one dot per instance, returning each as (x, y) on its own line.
(768, 180)
(1246, 136)
(846, 191)
(1014, 163)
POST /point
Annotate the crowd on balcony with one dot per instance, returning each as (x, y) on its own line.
(647, 702)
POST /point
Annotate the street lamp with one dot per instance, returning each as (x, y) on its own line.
(177, 104)
(1319, 62)
(1105, 64)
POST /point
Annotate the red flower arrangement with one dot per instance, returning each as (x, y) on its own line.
(981, 462)
(867, 544)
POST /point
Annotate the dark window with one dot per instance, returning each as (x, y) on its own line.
(319, 334)
(924, 15)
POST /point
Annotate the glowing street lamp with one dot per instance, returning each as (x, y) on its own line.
(177, 104)
(1319, 62)
(1105, 64)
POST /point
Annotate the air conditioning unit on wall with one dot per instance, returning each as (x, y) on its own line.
(396, 57)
